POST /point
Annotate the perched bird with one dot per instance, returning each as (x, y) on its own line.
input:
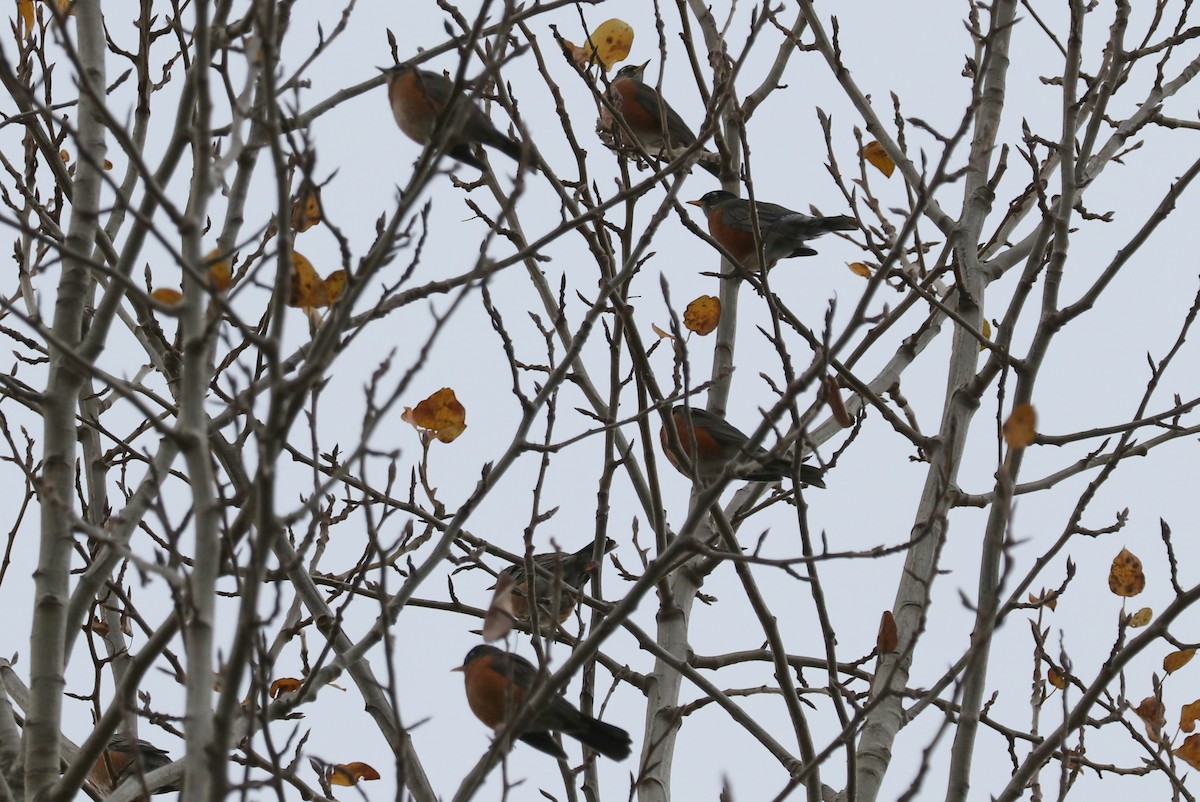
(125, 758)
(783, 231)
(419, 97)
(497, 683)
(644, 110)
(716, 443)
(564, 577)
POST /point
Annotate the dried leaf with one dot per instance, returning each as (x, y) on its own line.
(702, 315)
(25, 14)
(888, 638)
(1125, 578)
(986, 331)
(877, 156)
(66, 157)
(1188, 715)
(1189, 752)
(837, 407)
(306, 210)
(1021, 427)
(1056, 678)
(307, 290)
(500, 614)
(1046, 599)
(440, 413)
(662, 335)
(859, 269)
(99, 626)
(1177, 660)
(351, 773)
(1141, 617)
(1153, 715)
(284, 685)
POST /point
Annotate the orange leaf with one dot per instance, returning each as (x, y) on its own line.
(500, 614)
(1046, 599)
(1056, 678)
(306, 210)
(608, 44)
(876, 155)
(1153, 716)
(219, 272)
(25, 13)
(1177, 660)
(66, 157)
(1141, 617)
(1125, 578)
(1190, 751)
(702, 315)
(1021, 427)
(888, 638)
(833, 397)
(440, 413)
(167, 296)
(284, 685)
(351, 773)
(1188, 716)
(859, 269)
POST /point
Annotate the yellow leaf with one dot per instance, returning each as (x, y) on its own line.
(306, 211)
(440, 413)
(702, 315)
(1056, 678)
(876, 155)
(1125, 578)
(167, 296)
(1188, 715)
(284, 685)
(219, 273)
(1177, 660)
(1190, 751)
(859, 269)
(986, 332)
(606, 45)
(308, 290)
(66, 157)
(1141, 617)
(351, 773)
(1021, 427)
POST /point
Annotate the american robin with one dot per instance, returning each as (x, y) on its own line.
(125, 758)
(564, 576)
(783, 231)
(419, 97)
(717, 443)
(643, 110)
(497, 683)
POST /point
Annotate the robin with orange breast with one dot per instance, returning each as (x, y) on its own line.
(419, 98)
(656, 126)
(711, 443)
(497, 683)
(558, 576)
(125, 758)
(784, 232)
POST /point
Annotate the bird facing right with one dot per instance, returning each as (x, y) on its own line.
(784, 232)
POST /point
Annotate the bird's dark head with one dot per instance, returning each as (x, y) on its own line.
(480, 651)
(710, 199)
(634, 72)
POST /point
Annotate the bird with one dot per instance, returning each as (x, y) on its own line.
(124, 758)
(784, 232)
(643, 109)
(563, 578)
(418, 98)
(497, 683)
(717, 442)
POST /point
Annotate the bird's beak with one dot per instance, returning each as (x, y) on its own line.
(694, 203)
(459, 668)
(643, 67)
